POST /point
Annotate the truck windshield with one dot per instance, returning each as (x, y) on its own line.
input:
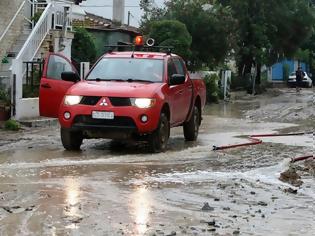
(127, 69)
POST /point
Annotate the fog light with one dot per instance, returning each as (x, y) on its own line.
(67, 115)
(144, 118)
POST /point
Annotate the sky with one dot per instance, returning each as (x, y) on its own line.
(106, 10)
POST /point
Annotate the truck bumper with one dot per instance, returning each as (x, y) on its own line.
(126, 121)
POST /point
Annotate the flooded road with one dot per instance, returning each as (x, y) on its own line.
(120, 189)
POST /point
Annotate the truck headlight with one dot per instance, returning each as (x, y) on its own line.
(71, 100)
(143, 102)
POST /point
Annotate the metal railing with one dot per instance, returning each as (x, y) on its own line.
(12, 20)
(37, 36)
(59, 16)
(30, 48)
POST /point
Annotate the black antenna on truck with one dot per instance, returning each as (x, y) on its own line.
(133, 53)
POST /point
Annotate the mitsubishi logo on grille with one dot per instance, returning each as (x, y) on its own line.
(104, 103)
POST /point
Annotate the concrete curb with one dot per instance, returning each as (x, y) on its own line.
(39, 122)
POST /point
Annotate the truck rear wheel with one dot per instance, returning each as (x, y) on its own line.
(71, 140)
(191, 127)
(159, 138)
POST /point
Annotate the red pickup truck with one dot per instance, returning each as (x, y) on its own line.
(139, 95)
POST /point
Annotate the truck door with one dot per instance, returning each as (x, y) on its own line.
(52, 87)
(175, 93)
(185, 99)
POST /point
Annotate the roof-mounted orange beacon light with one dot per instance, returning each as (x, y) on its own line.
(139, 41)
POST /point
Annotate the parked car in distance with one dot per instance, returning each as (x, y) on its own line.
(307, 81)
(126, 95)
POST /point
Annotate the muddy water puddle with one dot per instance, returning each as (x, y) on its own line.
(119, 188)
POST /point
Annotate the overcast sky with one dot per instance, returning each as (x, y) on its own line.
(105, 9)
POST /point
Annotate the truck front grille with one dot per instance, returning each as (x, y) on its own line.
(90, 100)
(118, 121)
(120, 102)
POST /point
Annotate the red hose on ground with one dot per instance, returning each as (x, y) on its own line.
(255, 141)
(293, 160)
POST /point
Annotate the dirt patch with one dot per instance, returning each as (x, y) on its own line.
(287, 107)
(291, 176)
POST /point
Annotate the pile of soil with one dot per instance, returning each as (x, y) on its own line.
(291, 176)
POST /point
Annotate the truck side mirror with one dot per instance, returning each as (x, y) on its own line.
(70, 76)
(177, 79)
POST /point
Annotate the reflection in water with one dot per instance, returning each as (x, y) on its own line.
(141, 206)
(72, 188)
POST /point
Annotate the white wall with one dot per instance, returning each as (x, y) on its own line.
(27, 108)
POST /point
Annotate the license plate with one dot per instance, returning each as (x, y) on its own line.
(106, 115)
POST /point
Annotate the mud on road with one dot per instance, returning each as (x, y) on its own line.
(120, 189)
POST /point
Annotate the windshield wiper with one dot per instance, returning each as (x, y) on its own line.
(99, 79)
(138, 80)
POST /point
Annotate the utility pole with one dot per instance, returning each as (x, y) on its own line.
(128, 18)
(119, 11)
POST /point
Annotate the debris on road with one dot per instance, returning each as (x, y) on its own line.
(207, 207)
(17, 209)
(290, 190)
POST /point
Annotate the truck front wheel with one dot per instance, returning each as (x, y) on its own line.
(191, 127)
(159, 138)
(71, 140)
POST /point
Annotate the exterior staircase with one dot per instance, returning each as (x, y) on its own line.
(5, 69)
(32, 43)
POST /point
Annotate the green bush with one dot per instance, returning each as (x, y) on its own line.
(12, 125)
(212, 87)
(36, 17)
(83, 46)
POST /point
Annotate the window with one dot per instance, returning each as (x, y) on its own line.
(56, 66)
(171, 69)
(179, 66)
(128, 69)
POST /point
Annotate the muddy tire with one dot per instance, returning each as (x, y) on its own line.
(159, 138)
(71, 140)
(191, 127)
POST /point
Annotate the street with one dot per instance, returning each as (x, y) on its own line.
(112, 188)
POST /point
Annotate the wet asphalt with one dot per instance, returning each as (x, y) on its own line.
(111, 188)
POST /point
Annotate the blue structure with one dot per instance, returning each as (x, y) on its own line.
(277, 69)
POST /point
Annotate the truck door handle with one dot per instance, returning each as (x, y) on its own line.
(180, 92)
(45, 85)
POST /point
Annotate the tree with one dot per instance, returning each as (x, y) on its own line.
(268, 30)
(151, 14)
(309, 47)
(257, 32)
(172, 33)
(209, 25)
(83, 47)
